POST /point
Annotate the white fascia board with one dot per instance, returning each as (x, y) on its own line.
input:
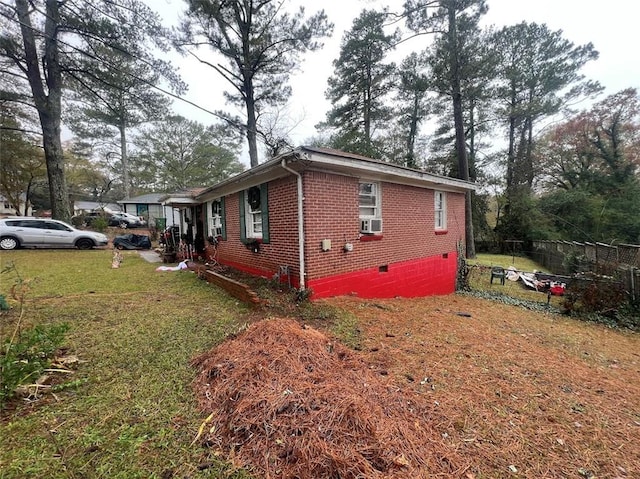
(178, 201)
(303, 159)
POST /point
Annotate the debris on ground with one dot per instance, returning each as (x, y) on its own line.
(286, 401)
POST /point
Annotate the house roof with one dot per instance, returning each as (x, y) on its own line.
(95, 205)
(148, 198)
(340, 162)
(185, 197)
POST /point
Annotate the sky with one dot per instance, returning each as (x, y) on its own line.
(611, 26)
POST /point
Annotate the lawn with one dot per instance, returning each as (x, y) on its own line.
(480, 275)
(131, 413)
(516, 393)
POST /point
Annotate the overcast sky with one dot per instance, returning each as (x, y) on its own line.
(612, 26)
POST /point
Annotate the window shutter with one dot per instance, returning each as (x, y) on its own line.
(223, 219)
(264, 205)
(243, 225)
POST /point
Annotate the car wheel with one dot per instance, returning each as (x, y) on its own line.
(120, 247)
(8, 243)
(84, 244)
(123, 225)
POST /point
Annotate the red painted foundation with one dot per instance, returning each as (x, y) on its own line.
(247, 269)
(435, 275)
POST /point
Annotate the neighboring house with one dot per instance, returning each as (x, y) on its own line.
(81, 207)
(335, 223)
(6, 209)
(151, 208)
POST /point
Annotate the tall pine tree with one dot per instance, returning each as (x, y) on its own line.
(260, 44)
(360, 85)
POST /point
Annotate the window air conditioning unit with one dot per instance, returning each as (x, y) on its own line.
(371, 226)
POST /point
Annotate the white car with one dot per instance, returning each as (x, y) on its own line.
(126, 220)
(30, 232)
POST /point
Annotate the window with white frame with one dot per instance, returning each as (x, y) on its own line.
(369, 206)
(253, 213)
(440, 210)
(215, 218)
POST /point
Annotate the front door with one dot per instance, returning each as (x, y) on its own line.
(199, 220)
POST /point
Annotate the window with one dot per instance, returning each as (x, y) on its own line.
(369, 205)
(254, 214)
(216, 218)
(52, 225)
(39, 224)
(142, 210)
(440, 210)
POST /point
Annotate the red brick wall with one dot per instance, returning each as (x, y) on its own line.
(282, 249)
(408, 247)
(331, 212)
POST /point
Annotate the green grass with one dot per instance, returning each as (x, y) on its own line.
(521, 263)
(480, 276)
(128, 410)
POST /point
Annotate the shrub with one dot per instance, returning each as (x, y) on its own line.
(100, 224)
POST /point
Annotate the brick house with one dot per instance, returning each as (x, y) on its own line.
(335, 223)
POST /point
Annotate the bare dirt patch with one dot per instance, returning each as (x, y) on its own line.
(539, 394)
(445, 386)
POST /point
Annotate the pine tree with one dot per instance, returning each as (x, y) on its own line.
(260, 45)
(360, 84)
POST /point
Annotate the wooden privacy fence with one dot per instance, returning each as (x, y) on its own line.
(621, 262)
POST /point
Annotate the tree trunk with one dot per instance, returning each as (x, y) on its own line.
(461, 147)
(252, 125)
(512, 141)
(529, 153)
(473, 173)
(48, 105)
(54, 157)
(413, 132)
(125, 160)
(367, 111)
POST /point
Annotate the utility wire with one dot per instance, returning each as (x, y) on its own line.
(164, 91)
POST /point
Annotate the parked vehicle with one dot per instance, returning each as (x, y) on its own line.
(31, 232)
(132, 241)
(88, 219)
(126, 220)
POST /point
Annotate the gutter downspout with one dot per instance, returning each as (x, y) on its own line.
(300, 222)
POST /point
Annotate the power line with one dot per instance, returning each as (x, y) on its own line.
(113, 66)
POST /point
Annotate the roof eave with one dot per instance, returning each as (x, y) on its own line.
(178, 201)
(352, 165)
(381, 171)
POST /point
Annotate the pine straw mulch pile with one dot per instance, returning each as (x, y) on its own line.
(442, 387)
(288, 402)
